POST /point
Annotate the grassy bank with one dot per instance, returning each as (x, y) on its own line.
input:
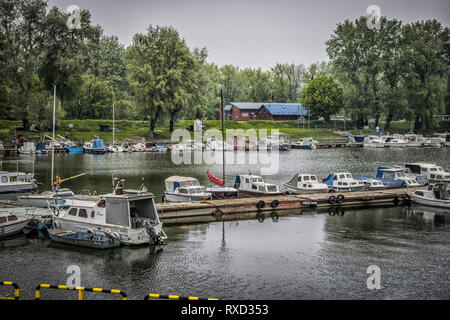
(85, 130)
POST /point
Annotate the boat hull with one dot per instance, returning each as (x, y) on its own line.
(13, 228)
(95, 151)
(429, 202)
(296, 190)
(306, 147)
(128, 236)
(177, 197)
(78, 240)
(17, 187)
(259, 194)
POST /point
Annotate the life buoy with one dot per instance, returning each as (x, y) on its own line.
(274, 203)
(332, 199)
(217, 214)
(340, 198)
(261, 204)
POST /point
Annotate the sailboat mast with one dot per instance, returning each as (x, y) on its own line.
(114, 130)
(223, 136)
(53, 137)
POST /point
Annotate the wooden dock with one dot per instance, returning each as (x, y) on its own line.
(245, 208)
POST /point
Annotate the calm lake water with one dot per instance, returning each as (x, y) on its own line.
(306, 256)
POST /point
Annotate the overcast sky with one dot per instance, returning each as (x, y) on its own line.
(250, 33)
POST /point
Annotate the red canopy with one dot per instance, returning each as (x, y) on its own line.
(214, 179)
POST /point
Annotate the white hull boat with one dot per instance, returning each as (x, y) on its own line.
(306, 184)
(11, 224)
(436, 195)
(185, 189)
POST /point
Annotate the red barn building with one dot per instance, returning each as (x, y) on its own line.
(244, 111)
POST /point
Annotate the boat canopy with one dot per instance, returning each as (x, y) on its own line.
(176, 181)
(40, 146)
(98, 144)
(329, 180)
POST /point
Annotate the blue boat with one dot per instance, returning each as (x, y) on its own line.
(83, 239)
(39, 227)
(95, 146)
(75, 150)
(387, 176)
(40, 148)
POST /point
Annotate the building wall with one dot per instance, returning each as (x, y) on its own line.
(264, 114)
(242, 114)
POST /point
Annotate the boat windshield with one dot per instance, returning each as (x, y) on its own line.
(197, 190)
(440, 169)
(257, 180)
(400, 175)
(349, 176)
(313, 178)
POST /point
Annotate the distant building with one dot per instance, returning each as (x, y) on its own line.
(243, 111)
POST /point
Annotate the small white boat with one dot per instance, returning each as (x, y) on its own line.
(306, 184)
(95, 146)
(434, 173)
(43, 199)
(27, 148)
(374, 184)
(305, 143)
(185, 189)
(414, 140)
(255, 185)
(395, 142)
(343, 182)
(374, 142)
(115, 149)
(434, 143)
(12, 182)
(11, 224)
(436, 195)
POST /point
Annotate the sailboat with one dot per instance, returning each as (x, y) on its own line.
(113, 148)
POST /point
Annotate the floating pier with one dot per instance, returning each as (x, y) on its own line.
(245, 208)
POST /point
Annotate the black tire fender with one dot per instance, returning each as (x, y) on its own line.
(340, 198)
(332, 199)
(274, 203)
(261, 204)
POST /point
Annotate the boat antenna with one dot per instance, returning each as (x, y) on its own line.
(223, 136)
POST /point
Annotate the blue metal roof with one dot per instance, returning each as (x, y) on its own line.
(274, 108)
(286, 109)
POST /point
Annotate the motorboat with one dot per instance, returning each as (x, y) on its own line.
(138, 147)
(95, 146)
(434, 173)
(184, 189)
(219, 192)
(343, 182)
(84, 239)
(392, 177)
(421, 179)
(305, 143)
(43, 199)
(395, 142)
(10, 224)
(27, 148)
(16, 182)
(114, 149)
(128, 215)
(436, 195)
(374, 142)
(434, 143)
(374, 184)
(414, 140)
(306, 184)
(40, 148)
(255, 185)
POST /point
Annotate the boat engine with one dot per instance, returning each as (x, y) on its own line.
(154, 238)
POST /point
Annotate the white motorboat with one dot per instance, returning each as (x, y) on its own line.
(27, 148)
(414, 140)
(94, 146)
(434, 173)
(11, 224)
(305, 143)
(128, 215)
(395, 142)
(13, 182)
(374, 142)
(43, 199)
(185, 189)
(434, 143)
(343, 182)
(436, 195)
(255, 185)
(115, 149)
(306, 184)
(374, 184)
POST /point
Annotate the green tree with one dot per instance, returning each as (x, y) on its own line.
(323, 97)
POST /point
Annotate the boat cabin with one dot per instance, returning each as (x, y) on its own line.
(433, 172)
(254, 185)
